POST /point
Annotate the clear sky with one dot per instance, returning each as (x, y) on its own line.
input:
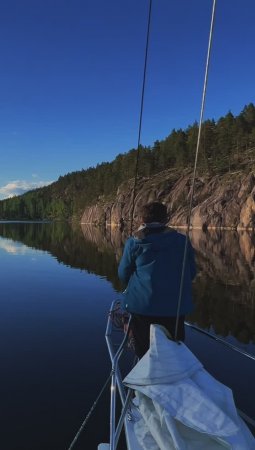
(71, 78)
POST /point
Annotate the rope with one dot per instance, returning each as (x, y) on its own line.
(84, 423)
(141, 116)
(195, 168)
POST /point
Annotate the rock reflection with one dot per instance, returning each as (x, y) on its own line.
(226, 255)
(224, 290)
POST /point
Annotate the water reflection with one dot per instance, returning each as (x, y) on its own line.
(14, 248)
(224, 289)
(68, 244)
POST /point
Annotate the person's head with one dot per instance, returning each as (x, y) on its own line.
(153, 212)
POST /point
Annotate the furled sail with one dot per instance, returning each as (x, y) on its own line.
(181, 405)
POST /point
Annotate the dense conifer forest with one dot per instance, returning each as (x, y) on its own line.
(226, 144)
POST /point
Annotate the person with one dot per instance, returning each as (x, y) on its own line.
(151, 268)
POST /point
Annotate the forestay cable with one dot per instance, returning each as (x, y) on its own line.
(141, 116)
(195, 167)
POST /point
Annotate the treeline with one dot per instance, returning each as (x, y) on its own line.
(225, 146)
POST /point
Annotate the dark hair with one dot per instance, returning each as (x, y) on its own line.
(153, 212)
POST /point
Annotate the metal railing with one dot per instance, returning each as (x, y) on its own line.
(116, 383)
(221, 341)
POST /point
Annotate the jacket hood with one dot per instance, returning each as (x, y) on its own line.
(157, 240)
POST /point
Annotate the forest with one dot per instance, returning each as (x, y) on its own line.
(226, 144)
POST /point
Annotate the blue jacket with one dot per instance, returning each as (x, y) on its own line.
(151, 266)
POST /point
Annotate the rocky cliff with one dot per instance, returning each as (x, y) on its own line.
(220, 201)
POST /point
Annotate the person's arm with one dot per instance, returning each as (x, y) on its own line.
(127, 262)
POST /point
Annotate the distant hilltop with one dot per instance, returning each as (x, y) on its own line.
(224, 188)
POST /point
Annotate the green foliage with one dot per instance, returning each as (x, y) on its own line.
(222, 148)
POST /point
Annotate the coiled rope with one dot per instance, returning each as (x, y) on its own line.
(195, 168)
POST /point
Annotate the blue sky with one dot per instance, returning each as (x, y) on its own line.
(71, 77)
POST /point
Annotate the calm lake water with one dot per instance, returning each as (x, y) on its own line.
(57, 284)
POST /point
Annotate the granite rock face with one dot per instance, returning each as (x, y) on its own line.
(221, 201)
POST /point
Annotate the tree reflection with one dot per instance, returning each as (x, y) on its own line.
(224, 290)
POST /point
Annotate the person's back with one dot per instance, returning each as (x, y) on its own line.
(154, 285)
(151, 267)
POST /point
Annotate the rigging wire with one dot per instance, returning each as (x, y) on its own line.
(141, 115)
(195, 168)
(84, 423)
